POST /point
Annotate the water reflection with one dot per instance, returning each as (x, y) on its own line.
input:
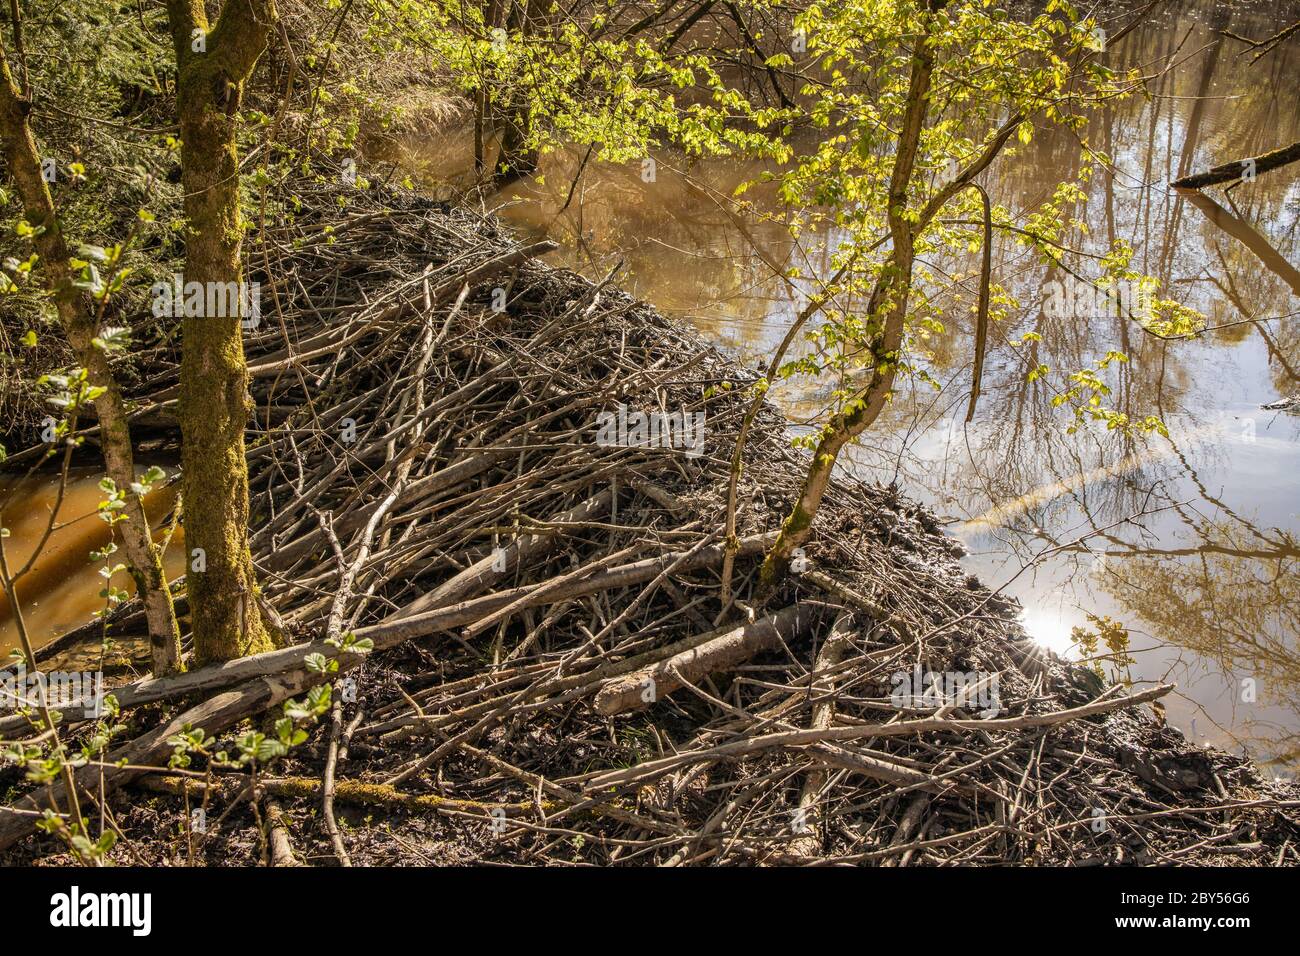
(1190, 542)
(62, 590)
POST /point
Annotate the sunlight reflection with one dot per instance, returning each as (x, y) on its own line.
(1048, 629)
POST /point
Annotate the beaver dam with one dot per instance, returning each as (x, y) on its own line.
(540, 668)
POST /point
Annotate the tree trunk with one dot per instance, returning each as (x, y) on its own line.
(888, 300)
(514, 159)
(212, 66)
(80, 326)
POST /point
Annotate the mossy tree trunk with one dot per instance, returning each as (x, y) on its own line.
(887, 310)
(213, 63)
(80, 325)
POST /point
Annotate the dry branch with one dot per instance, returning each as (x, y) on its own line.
(640, 689)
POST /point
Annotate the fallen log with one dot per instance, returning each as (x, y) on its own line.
(886, 771)
(1235, 170)
(279, 846)
(640, 689)
(390, 632)
(572, 687)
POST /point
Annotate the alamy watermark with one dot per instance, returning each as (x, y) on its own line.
(1072, 298)
(178, 299)
(623, 429)
(62, 690)
(931, 690)
(77, 909)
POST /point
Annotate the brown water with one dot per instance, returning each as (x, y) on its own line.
(62, 589)
(1193, 540)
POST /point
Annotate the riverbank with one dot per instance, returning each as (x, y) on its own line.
(553, 679)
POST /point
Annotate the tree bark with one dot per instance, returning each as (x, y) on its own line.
(1233, 171)
(80, 326)
(514, 159)
(730, 648)
(888, 300)
(211, 67)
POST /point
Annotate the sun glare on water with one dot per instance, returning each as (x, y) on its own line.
(1048, 629)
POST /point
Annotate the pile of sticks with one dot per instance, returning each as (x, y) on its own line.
(554, 677)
